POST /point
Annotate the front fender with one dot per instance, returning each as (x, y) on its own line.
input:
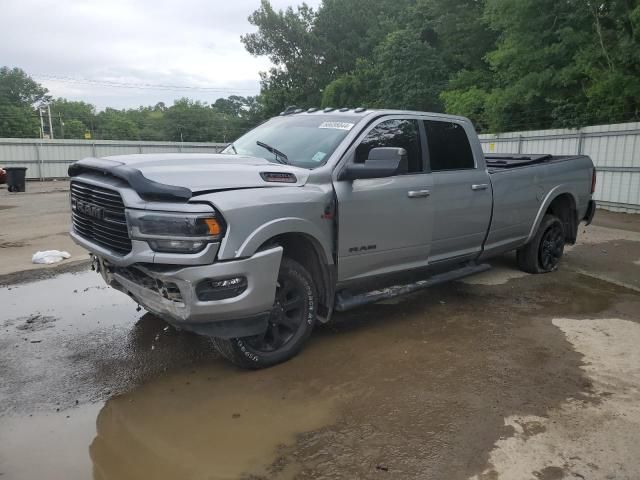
(281, 226)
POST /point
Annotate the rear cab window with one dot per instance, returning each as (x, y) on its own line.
(449, 147)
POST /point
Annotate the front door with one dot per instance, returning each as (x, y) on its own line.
(385, 224)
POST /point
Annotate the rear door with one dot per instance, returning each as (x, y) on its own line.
(385, 223)
(461, 193)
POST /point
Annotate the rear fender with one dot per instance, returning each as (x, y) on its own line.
(548, 199)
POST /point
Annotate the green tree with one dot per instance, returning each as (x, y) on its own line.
(115, 124)
(74, 129)
(405, 72)
(19, 94)
(310, 49)
(150, 121)
(67, 115)
(353, 89)
(237, 114)
(576, 64)
(287, 38)
(192, 121)
(413, 73)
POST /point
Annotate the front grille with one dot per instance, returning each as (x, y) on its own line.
(98, 215)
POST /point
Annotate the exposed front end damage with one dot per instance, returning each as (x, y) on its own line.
(223, 299)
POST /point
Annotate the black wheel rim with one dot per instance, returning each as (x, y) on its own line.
(551, 247)
(287, 315)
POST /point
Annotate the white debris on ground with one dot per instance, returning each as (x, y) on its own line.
(50, 256)
(576, 440)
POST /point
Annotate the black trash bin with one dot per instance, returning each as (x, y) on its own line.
(16, 178)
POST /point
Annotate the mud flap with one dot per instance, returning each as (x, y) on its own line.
(591, 211)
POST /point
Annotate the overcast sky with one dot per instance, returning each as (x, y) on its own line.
(67, 44)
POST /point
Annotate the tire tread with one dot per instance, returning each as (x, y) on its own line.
(527, 255)
(230, 349)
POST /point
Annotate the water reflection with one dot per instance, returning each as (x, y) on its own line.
(212, 423)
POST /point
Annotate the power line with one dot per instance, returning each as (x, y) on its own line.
(139, 86)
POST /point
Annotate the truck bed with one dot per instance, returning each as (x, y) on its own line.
(522, 183)
(499, 161)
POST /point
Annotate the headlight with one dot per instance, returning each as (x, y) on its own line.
(175, 232)
(178, 225)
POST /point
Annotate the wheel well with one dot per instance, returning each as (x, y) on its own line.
(305, 250)
(564, 207)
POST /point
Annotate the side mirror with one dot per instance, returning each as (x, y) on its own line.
(382, 162)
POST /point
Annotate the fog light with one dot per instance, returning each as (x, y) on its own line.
(177, 246)
(219, 289)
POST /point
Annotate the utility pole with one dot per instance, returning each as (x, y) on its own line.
(61, 125)
(50, 124)
(41, 122)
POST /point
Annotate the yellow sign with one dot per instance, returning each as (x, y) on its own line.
(87, 135)
(492, 147)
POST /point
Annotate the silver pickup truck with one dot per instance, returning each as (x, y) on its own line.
(318, 211)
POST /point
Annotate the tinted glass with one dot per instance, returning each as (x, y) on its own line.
(394, 133)
(306, 139)
(449, 147)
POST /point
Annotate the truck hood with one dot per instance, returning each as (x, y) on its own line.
(175, 175)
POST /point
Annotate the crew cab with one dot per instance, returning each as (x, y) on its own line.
(317, 211)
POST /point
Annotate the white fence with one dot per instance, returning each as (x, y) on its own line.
(615, 150)
(51, 158)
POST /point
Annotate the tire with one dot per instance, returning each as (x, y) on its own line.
(543, 253)
(292, 319)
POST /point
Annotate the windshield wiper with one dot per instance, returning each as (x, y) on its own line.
(280, 157)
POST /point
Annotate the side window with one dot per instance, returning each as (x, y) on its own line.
(449, 147)
(394, 133)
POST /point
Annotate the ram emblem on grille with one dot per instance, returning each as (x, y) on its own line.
(88, 209)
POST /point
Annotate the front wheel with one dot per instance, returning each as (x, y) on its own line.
(543, 253)
(291, 321)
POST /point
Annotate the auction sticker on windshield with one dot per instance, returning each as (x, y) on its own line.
(337, 125)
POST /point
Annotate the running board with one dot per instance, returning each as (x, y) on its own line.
(346, 301)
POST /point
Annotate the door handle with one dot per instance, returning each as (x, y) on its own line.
(418, 193)
(480, 186)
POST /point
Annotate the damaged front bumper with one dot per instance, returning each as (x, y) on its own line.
(180, 294)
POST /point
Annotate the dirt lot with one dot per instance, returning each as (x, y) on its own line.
(501, 376)
(37, 219)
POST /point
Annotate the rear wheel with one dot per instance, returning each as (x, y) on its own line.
(543, 253)
(291, 321)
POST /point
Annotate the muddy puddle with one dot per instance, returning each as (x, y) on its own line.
(415, 388)
(180, 426)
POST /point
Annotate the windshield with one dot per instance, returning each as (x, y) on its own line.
(304, 141)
